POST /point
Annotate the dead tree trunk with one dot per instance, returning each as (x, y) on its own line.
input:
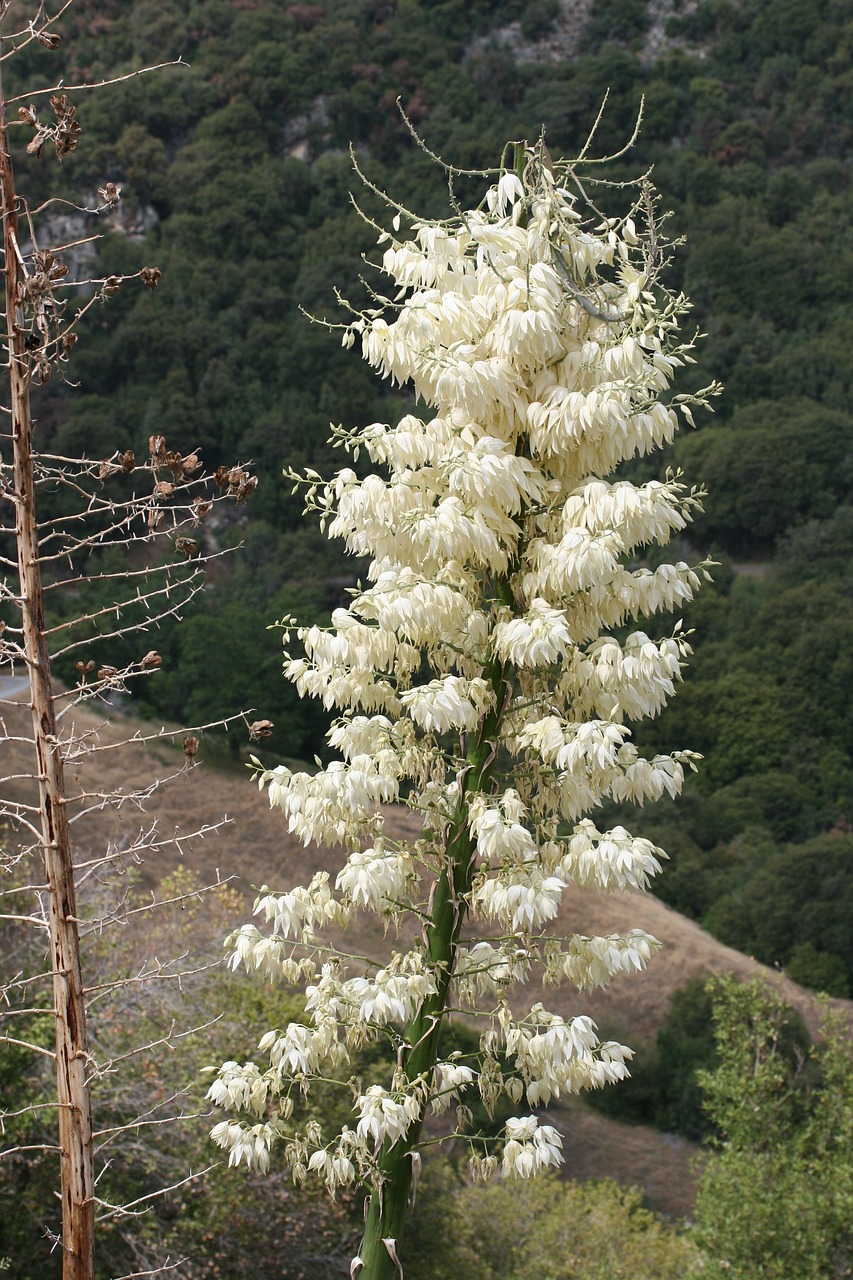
(73, 1095)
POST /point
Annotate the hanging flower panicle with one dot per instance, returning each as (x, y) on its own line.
(478, 673)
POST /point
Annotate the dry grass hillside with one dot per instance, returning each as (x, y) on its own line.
(256, 848)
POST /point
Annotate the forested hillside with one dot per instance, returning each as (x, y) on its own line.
(235, 174)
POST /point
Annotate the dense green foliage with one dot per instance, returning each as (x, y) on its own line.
(776, 1200)
(236, 176)
(548, 1228)
(665, 1087)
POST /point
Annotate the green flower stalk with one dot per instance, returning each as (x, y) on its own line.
(480, 675)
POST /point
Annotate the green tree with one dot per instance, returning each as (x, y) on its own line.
(795, 908)
(776, 1198)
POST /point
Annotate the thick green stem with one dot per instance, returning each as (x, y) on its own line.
(387, 1210)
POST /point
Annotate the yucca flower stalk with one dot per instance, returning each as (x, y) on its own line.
(479, 675)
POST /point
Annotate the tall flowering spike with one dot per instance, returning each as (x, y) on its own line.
(478, 675)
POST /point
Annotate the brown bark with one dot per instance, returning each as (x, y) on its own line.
(73, 1096)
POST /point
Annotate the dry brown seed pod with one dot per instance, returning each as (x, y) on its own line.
(163, 489)
(127, 460)
(243, 491)
(200, 509)
(36, 285)
(107, 673)
(151, 659)
(157, 449)
(260, 729)
(150, 277)
(189, 546)
(190, 747)
(191, 463)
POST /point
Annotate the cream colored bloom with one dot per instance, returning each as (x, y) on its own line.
(488, 670)
(530, 1148)
(376, 878)
(383, 1116)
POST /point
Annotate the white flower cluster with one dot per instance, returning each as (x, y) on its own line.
(449, 703)
(240, 1088)
(611, 681)
(592, 962)
(376, 878)
(393, 994)
(489, 968)
(477, 674)
(331, 806)
(530, 1148)
(609, 860)
(556, 1057)
(500, 829)
(299, 1052)
(520, 899)
(336, 1168)
(451, 1079)
(538, 638)
(249, 1146)
(382, 1115)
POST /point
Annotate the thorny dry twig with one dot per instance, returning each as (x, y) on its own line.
(162, 513)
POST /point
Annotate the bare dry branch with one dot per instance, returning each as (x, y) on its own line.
(61, 87)
(27, 1044)
(125, 1210)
